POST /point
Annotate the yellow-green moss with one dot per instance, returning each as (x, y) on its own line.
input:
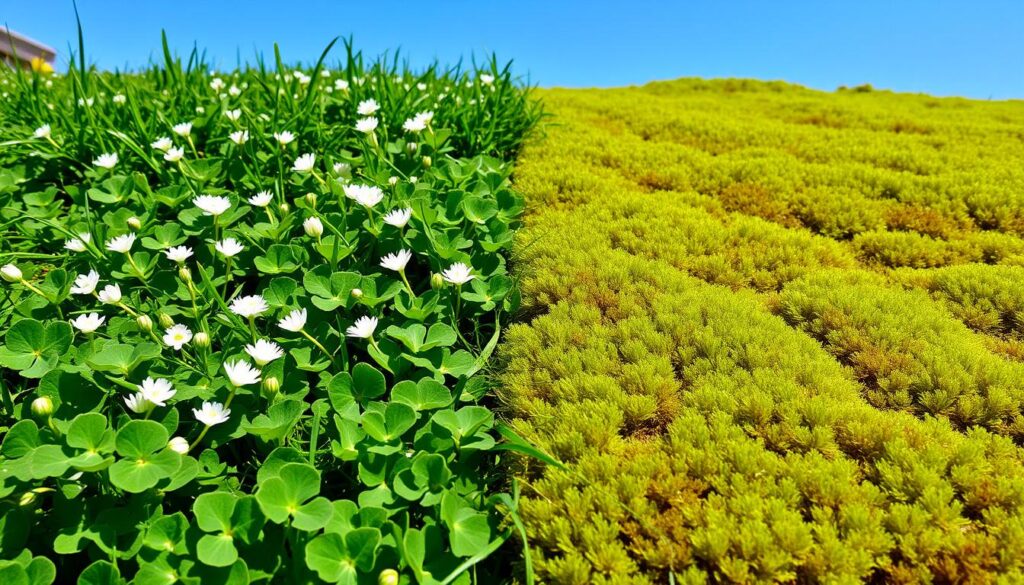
(728, 351)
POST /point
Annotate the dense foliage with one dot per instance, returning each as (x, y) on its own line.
(246, 322)
(785, 327)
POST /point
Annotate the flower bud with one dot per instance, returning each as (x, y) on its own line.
(271, 386)
(145, 323)
(284, 207)
(436, 281)
(314, 227)
(388, 577)
(356, 293)
(392, 181)
(28, 500)
(311, 199)
(11, 273)
(202, 339)
(185, 274)
(134, 223)
(427, 161)
(178, 445)
(165, 321)
(42, 406)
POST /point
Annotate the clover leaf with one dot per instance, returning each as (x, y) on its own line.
(33, 348)
(284, 497)
(229, 518)
(146, 460)
(340, 559)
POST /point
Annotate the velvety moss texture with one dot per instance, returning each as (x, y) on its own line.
(774, 334)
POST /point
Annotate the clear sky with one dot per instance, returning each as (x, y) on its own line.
(973, 48)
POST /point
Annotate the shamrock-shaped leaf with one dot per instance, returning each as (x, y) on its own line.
(427, 394)
(89, 432)
(278, 421)
(280, 259)
(364, 384)
(463, 426)
(228, 518)
(417, 338)
(285, 496)
(340, 559)
(390, 424)
(146, 460)
(428, 473)
(167, 533)
(330, 290)
(123, 358)
(34, 349)
(469, 530)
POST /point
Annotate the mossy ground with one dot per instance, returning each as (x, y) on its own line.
(776, 335)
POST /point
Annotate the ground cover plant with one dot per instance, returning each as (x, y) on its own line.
(246, 319)
(785, 325)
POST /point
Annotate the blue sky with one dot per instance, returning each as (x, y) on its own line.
(974, 49)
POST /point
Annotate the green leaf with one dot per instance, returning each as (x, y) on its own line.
(390, 424)
(217, 550)
(100, 573)
(21, 439)
(280, 259)
(281, 497)
(139, 438)
(213, 511)
(469, 531)
(34, 349)
(167, 533)
(330, 290)
(464, 422)
(427, 394)
(338, 559)
(278, 422)
(89, 431)
(367, 382)
(138, 475)
(123, 358)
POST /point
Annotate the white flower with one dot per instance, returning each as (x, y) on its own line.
(211, 204)
(425, 117)
(177, 336)
(88, 323)
(178, 253)
(414, 125)
(398, 217)
(304, 163)
(285, 137)
(178, 445)
(217, 84)
(364, 194)
(157, 391)
(111, 294)
(174, 154)
(364, 327)
(86, 102)
(340, 84)
(11, 273)
(42, 131)
(241, 373)
(366, 125)
(240, 136)
(458, 273)
(233, 115)
(106, 160)
(163, 143)
(122, 244)
(85, 284)
(138, 403)
(212, 413)
(368, 107)
(78, 244)
(486, 79)
(261, 199)
(119, 98)
(248, 306)
(229, 247)
(294, 321)
(234, 91)
(263, 352)
(183, 129)
(392, 181)
(396, 261)
(314, 227)
(342, 169)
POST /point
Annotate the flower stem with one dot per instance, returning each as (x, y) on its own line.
(406, 281)
(318, 344)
